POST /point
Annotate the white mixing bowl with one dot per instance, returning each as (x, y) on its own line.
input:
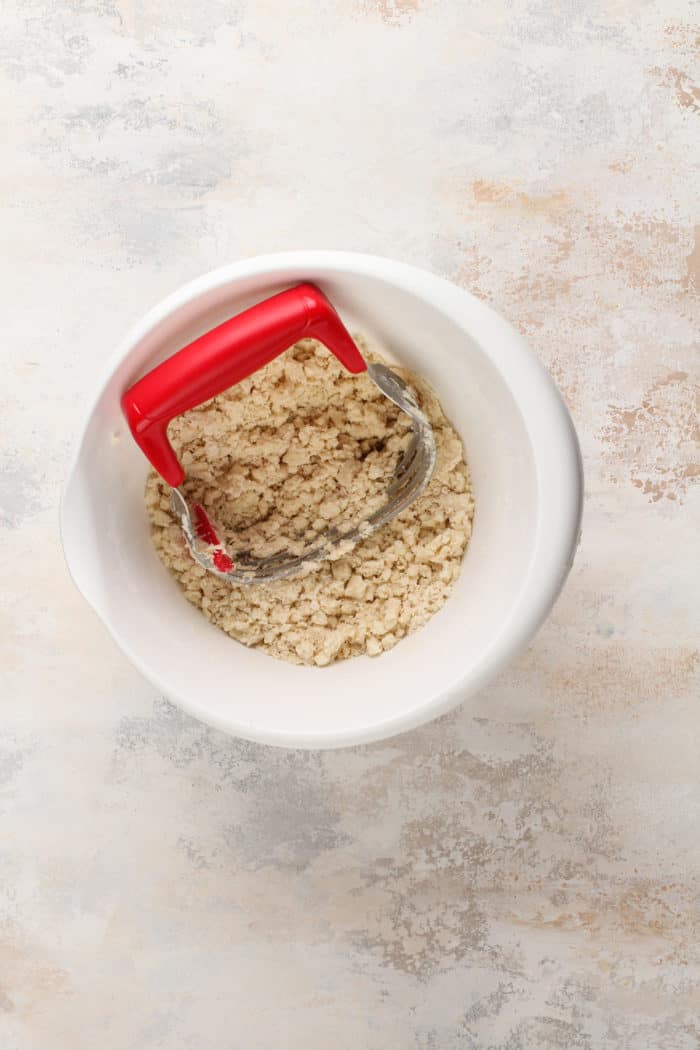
(526, 470)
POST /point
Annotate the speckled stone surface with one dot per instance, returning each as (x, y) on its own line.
(524, 873)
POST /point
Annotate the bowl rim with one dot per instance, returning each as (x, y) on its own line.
(555, 449)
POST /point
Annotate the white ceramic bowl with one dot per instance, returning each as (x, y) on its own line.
(525, 464)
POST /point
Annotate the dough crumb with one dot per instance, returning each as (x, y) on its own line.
(297, 447)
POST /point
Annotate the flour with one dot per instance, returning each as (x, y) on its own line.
(298, 447)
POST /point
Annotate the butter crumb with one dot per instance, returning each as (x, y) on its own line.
(300, 446)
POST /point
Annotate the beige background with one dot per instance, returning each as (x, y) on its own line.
(525, 872)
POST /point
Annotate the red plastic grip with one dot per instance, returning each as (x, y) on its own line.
(223, 357)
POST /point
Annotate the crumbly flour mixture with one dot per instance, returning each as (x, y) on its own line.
(299, 446)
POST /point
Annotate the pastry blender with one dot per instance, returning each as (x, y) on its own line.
(223, 357)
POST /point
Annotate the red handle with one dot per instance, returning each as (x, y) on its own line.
(221, 358)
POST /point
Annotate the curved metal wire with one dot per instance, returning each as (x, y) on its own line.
(413, 472)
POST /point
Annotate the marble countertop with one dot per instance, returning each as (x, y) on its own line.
(524, 873)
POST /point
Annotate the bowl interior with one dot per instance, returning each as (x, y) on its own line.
(248, 692)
